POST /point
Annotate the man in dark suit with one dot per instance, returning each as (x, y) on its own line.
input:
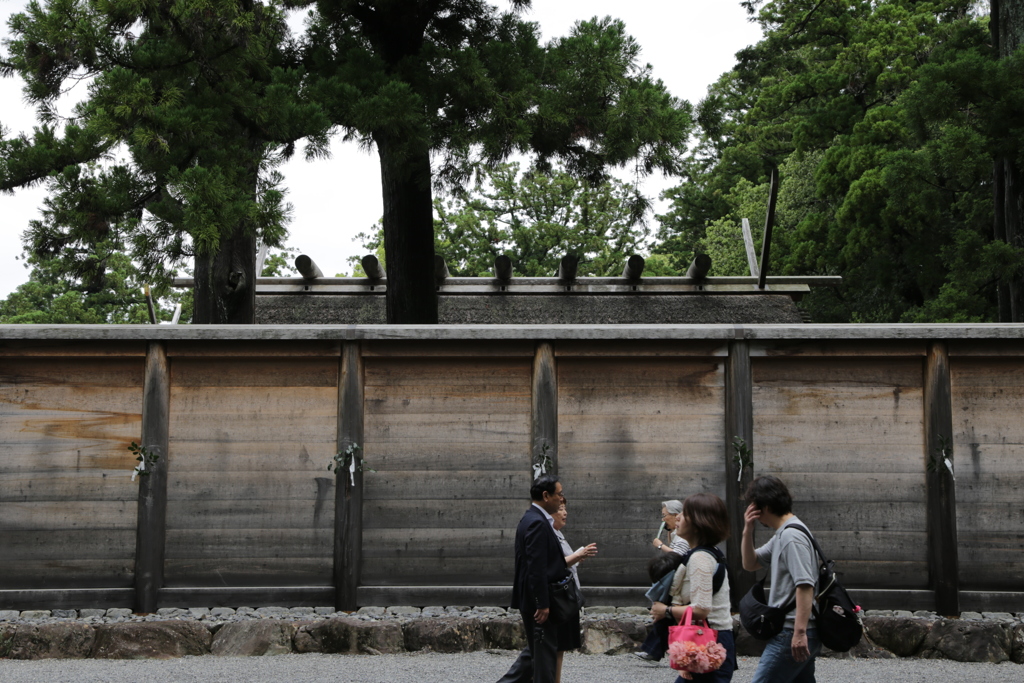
(539, 563)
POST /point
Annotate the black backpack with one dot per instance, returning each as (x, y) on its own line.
(838, 623)
(838, 619)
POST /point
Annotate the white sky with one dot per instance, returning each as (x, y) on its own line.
(689, 43)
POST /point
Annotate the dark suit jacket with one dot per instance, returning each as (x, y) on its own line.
(539, 561)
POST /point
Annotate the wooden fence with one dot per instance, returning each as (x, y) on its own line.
(241, 508)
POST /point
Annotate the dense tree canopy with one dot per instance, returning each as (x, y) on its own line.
(55, 294)
(436, 86)
(883, 117)
(895, 125)
(193, 104)
(535, 218)
(172, 153)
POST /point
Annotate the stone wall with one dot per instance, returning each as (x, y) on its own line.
(173, 632)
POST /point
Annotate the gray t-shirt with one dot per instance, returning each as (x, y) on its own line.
(792, 561)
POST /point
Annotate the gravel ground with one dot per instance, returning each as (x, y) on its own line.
(469, 668)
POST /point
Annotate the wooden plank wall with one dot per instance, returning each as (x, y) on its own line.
(67, 502)
(448, 427)
(635, 431)
(250, 500)
(448, 436)
(988, 435)
(846, 435)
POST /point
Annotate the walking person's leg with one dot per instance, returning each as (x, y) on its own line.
(656, 643)
(521, 670)
(777, 664)
(544, 648)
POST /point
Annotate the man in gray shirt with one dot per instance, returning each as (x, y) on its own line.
(793, 564)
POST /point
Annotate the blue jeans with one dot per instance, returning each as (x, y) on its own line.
(777, 663)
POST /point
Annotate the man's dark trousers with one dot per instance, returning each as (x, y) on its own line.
(535, 664)
(539, 563)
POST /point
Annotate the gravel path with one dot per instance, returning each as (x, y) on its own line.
(463, 668)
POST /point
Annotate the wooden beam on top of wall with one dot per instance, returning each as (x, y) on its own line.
(943, 560)
(348, 490)
(151, 528)
(544, 416)
(739, 424)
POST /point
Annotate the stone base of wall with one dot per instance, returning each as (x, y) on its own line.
(988, 640)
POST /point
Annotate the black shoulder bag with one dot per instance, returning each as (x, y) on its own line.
(564, 600)
(837, 620)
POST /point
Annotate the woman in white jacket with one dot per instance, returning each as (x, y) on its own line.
(702, 582)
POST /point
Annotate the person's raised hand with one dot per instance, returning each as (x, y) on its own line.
(751, 515)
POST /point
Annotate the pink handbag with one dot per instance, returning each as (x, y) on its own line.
(694, 647)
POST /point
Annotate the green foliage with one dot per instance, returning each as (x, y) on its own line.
(372, 243)
(455, 84)
(280, 263)
(190, 107)
(536, 218)
(59, 291)
(147, 461)
(883, 118)
(601, 108)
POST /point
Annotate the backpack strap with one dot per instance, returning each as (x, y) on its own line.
(720, 570)
(814, 541)
(792, 603)
(826, 569)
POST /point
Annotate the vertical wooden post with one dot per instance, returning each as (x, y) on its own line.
(151, 528)
(348, 490)
(943, 560)
(769, 223)
(544, 417)
(739, 423)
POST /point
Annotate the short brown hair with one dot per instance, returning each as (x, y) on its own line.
(708, 518)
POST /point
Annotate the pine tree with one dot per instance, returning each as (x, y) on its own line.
(455, 82)
(190, 107)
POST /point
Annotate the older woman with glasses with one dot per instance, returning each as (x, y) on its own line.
(670, 510)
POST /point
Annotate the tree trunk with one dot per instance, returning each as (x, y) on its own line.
(225, 282)
(408, 231)
(1007, 26)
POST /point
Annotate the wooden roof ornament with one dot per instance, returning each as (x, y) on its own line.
(503, 268)
(634, 267)
(699, 267)
(564, 298)
(371, 266)
(568, 267)
(306, 268)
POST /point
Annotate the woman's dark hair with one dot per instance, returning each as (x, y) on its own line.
(768, 492)
(545, 483)
(708, 518)
(663, 563)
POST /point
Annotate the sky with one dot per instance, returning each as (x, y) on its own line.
(688, 43)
